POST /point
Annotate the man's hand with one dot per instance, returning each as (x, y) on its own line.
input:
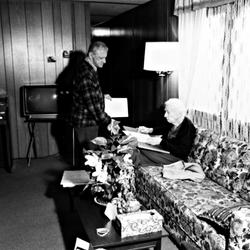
(145, 130)
(108, 97)
(114, 127)
(101, 141)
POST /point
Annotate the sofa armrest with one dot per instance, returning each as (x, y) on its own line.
(239, 237)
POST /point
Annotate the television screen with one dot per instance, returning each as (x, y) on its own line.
(39, 101)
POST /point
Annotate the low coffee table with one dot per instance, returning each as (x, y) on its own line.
(92, 217)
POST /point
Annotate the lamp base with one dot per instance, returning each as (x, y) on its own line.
(163, 73)
(160, 73)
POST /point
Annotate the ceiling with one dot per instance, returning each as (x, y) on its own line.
(103, 10)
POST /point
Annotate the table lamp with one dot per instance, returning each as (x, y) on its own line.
(163, 58)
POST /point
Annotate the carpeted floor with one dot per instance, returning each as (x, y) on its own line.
(34, 208)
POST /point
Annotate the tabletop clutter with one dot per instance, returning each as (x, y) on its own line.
(109, 171)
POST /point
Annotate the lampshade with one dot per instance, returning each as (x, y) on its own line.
(161, 56)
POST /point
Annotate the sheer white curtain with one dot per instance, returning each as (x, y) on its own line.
(190, 30)
(202, 37)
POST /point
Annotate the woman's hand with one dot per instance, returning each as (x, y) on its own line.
(154, 140)
(145, 130)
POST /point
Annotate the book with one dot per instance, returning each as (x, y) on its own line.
(73, 178)
(155, 148)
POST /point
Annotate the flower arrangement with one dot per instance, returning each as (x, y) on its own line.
(112, 172)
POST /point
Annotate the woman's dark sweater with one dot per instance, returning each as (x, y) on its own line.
(180, 143)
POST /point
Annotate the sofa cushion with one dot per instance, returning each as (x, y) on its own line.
(203, 137)
(211, 157)
(224, 160)
(233, 165)
(245, 191)
(222, 215)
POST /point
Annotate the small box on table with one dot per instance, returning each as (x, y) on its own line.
(142, 222)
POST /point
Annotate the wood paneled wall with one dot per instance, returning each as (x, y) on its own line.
(124, 74)
(30, 31)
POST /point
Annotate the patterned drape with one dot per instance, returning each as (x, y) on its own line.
(238, 120)
(205, 120)
(184, 5)
(214, 77)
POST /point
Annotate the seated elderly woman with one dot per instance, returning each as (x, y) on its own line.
(178, 135)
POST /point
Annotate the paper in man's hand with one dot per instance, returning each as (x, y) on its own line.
(116, 107)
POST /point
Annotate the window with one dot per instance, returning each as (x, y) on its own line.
(214, 77)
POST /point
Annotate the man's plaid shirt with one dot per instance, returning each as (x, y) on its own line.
(88, 99)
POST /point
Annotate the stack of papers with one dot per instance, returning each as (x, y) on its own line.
(127, 128)
(74, 178)
(139, 136)
(143, 139)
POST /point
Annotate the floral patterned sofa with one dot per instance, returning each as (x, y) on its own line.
(213, 214)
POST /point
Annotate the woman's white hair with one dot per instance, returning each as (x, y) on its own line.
(176, 106)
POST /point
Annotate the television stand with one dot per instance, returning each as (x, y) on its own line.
(32, 142)
(32, 139)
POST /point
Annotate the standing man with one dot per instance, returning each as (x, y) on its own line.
(88, 114)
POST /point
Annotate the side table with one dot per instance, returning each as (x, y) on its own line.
(92, 217)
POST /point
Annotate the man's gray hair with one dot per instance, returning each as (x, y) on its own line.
(97, 45)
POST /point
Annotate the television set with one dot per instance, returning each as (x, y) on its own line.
(39, 102)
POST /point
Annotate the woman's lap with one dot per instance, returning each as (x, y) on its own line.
(147, 157)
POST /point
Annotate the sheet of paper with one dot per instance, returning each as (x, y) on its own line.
(140, 136)
(130, 129)
(81, 244)
(74, 178)
(111, 211)
(116, 107)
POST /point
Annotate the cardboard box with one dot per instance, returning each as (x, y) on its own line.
(141, 222)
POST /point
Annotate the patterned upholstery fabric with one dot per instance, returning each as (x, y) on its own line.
(240, 230)
(225, 161)
(203, 137)
(176, 204)
(245, 191)
(223, 215)
(213, 214)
